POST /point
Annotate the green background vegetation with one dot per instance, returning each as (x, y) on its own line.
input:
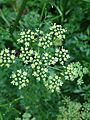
(73, 103)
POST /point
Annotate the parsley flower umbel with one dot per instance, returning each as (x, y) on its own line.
(75, 71)
(26, 55)
(58, 34)
(20, 78)
(53, 84)
(45, 57)
(7, 57)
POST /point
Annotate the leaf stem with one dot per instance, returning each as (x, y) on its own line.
(3, 17)
(42, 13)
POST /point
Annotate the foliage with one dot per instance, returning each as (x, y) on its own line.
(73, 111)
(45, 67)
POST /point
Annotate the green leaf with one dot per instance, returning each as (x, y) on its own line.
(86, 0)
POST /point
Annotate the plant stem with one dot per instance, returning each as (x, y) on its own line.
(15, 100)
(55, 68)
(18, 16)
(1, 118)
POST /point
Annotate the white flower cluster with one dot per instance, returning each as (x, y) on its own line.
(49, 59)
(62, 55)
(45, 41)
(46, 57)
(41, 73)
(58, 32)
(27, 37)
(36, 60)
(20, 78)
(39, 69)
(39, 53)
(7, 57)
(26, 55)
(53, 83)
(75, 70)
